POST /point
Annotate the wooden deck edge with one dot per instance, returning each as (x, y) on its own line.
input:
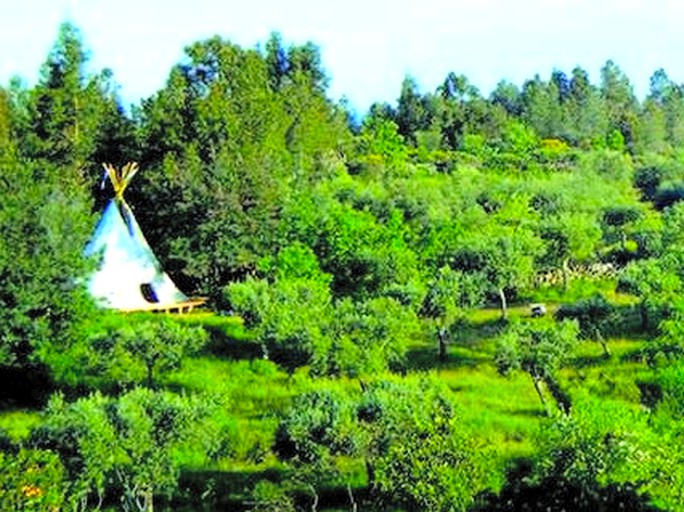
(177, 307)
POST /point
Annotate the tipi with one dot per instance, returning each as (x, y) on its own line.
(129, 276)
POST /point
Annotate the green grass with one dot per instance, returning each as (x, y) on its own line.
(505, 413)
(18, 423)
(615, 377)
(251, 387)
(502, 414)
(581, 288)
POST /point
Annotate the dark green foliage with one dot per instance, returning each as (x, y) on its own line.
(380, 147)
(617, 93)
(44, 223)
(507, 95)
(288, 318)
(348, 249)
(227, 139)
(419, 457)
(657, 283)
(597, 458)
(554, 493)
(669, 384)
(668, 196)
(372, 336)
(668, 347)
(597, 448)
(27, 385)
(310, 437)
(667, 420)
(449, 294)
(618, 217)
(297, 323)
(72, 119)
(413, 111)
(502, 256)
(648, 179)
(318, 428)
(618, 223)
(204, 167)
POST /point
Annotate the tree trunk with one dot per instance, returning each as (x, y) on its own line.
(604, 344)
(314, 505)
(370, 472)
(561, 397)
(150, 361)
(504, 305)
(150, 381)
(643, 310)
(351, 498)
(566, 274)
(537, 386)
(442, 340)
(149, 501)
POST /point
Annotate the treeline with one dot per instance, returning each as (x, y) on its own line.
(237, 138)
(566, 108)
(340, 245)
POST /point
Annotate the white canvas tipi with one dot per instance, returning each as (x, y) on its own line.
(129, 276)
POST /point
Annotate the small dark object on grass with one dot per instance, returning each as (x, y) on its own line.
(538, 310)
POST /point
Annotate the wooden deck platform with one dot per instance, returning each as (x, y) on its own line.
(177, 307)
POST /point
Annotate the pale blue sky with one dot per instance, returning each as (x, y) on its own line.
(367, 46)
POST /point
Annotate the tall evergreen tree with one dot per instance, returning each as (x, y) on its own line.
(585, 110)
(620, 103)
(412, 114)
(44, 224)
(542, 108)
(72, 119)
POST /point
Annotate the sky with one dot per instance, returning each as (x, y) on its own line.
(367, 46)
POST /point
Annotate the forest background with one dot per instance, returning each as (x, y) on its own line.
(369, 343)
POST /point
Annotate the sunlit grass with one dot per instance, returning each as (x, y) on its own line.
(232, 326)
(505, 412)
(502, 415)
(615, 377)
(501, 412)
(18, 423)
(251, 387)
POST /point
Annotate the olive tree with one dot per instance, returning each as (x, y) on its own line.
(449, 293)
(594, 315)
(130, 349)
(407, 431)
(124, 444)
(418, 456)
(539, 349)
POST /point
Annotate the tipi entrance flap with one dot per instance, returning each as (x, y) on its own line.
(148, 293)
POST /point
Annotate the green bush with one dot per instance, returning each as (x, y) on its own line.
(118, 351)
(32, 480)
